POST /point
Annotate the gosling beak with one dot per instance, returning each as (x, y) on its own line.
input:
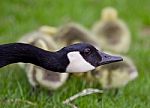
(106, 58)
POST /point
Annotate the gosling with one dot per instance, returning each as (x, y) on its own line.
(116, 75)
(41, 77)
(113, 33)
(74, 33)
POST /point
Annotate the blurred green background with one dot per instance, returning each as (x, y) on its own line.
(18, 17)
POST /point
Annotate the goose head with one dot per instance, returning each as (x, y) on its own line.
(82, 57)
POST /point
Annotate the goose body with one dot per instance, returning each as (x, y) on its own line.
(113, 34)
(63, 60)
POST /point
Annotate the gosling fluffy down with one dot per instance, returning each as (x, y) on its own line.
(114, 75)
(44, 33)
(113, 33)
(38, 76)
(74, 33)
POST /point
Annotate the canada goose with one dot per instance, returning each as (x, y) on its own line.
(74, 33)
(115, 75)
(41, 77)
(112, 32)
(80, 57)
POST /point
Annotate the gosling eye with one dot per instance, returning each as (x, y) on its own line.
(87, 51)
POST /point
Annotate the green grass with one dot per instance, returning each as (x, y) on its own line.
(18, 17)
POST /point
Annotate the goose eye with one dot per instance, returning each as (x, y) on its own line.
(87, 51)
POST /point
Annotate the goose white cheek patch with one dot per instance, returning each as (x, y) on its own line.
(78, 63)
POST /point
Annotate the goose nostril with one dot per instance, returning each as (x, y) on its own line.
(107, 56)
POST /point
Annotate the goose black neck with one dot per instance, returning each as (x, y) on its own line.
(19, 52)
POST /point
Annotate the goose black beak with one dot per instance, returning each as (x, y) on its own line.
(106, 58)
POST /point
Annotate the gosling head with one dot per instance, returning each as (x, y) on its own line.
(82, 57)
(109, 14)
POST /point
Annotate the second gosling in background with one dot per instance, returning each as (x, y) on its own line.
(113, 33)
